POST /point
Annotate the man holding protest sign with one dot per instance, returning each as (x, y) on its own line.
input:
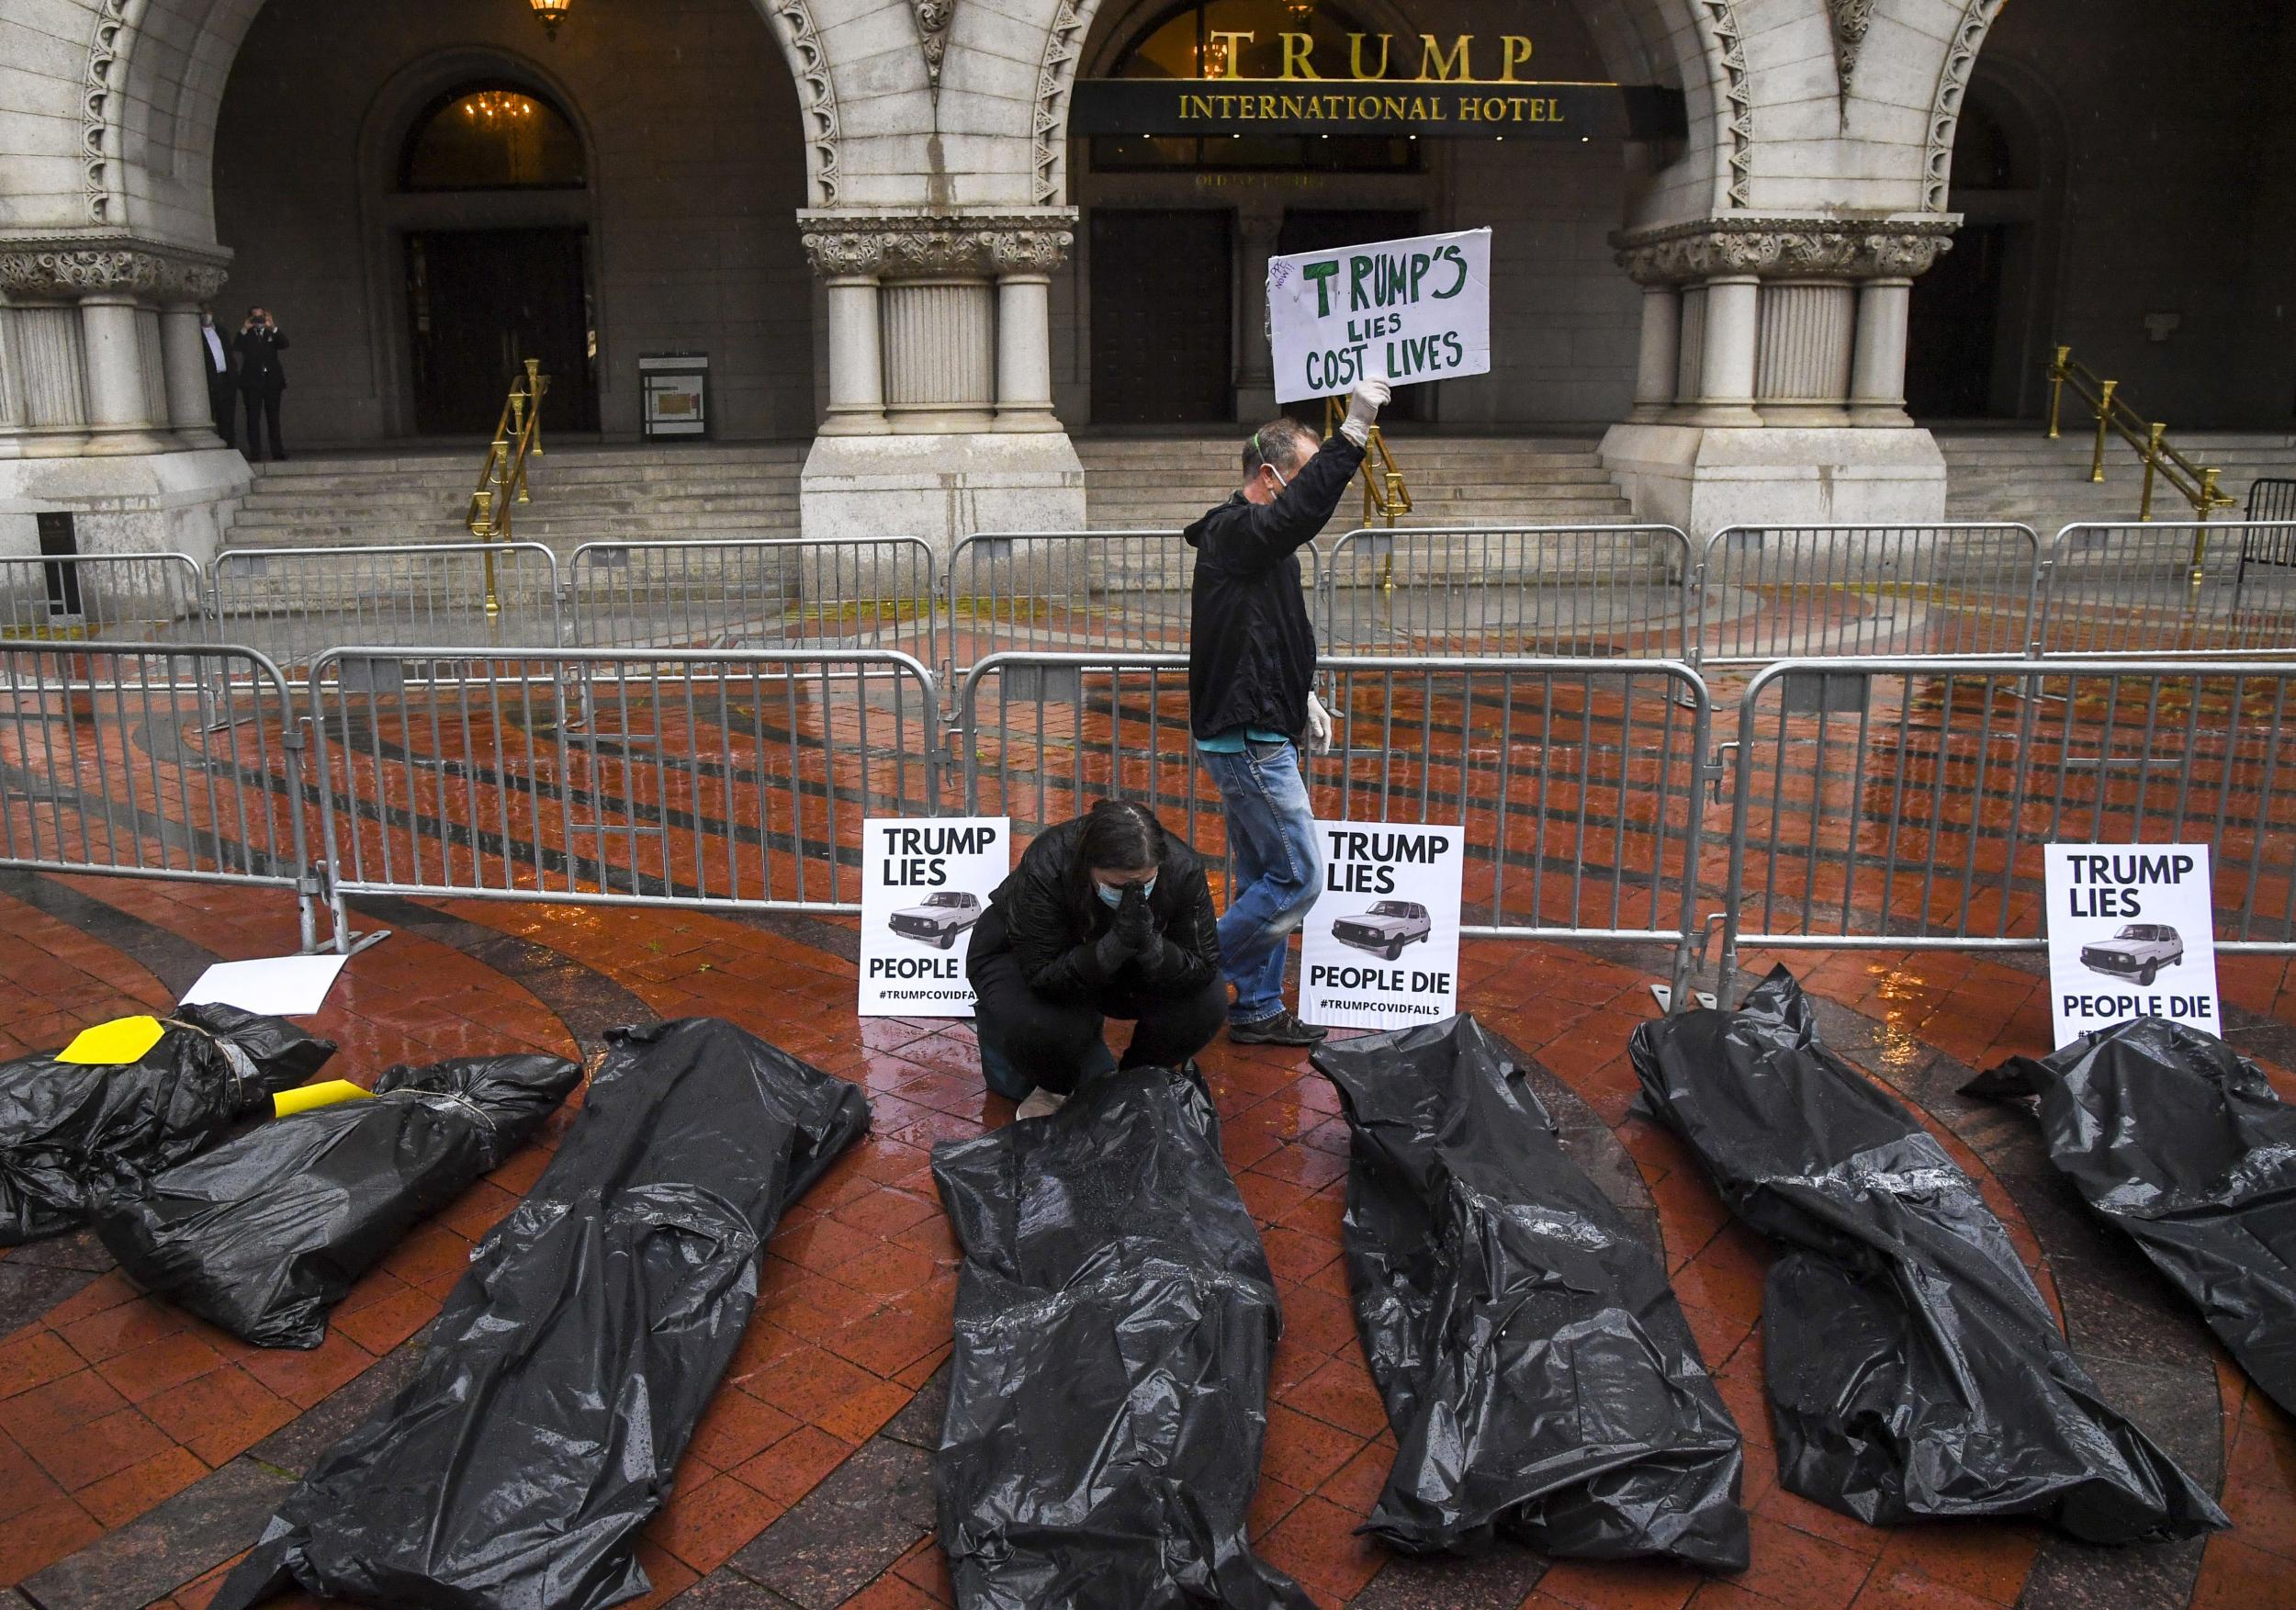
(1251, 678)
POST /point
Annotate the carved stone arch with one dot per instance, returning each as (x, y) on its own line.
(1952, 83)
(809, 67)
(110, 36)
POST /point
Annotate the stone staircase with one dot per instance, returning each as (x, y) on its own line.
(1161, 483)
(582, 492)
(2020, 474)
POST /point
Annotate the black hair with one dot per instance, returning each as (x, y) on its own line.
(1280, 442)
(1118, 835)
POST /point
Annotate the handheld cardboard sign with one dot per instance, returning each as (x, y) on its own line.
(2132, 934)
(1408, 311)
(924, 884)
(1380, 947)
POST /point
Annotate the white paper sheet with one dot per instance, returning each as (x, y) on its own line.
(283, 986)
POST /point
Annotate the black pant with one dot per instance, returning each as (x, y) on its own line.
(263, 406)
(223, 406)
(1047, 1041)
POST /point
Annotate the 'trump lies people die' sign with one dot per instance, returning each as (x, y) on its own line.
(924, 885)
(1380, 947)
(2132, 934)
(1406, 311)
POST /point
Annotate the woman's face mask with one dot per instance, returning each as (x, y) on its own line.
(1112, 894)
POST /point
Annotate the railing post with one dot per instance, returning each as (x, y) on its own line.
(2152, 462)
(2056, 387)
(2104, 422)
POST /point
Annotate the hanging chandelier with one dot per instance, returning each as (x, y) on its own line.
(552, 12)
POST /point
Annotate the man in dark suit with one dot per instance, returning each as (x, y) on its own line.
(222, 391)
(261, 379)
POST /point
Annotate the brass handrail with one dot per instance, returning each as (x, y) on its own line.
(2195, 482)
(503, 478)
(1385, 496)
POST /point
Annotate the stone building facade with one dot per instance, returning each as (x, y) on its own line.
(876, 220)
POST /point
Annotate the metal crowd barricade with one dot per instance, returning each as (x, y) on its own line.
(2270, 500)
(296, 604)
(1580, 783)
(1071, 590)
(1602, 591)
(731, 779)
(111, 763)
(1904, 804)
(2223, 588)
(1773, 593)
(112, 598)
(877, 592)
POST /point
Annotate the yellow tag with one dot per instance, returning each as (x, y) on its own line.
(326, 1093)
(123, 1039)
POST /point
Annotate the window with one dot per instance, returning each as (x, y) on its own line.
(1182, 43)
(492, 137)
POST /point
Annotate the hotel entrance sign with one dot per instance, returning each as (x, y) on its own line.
(1408, 311)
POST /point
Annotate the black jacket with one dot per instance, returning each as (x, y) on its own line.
(259, 368)
(1036, 915)
(1251, 657)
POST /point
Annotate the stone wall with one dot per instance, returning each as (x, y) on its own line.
(697, 169)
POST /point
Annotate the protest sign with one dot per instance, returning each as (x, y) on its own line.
(1406, 311)
(924, 885)
(1380, 947)
(2132, 934)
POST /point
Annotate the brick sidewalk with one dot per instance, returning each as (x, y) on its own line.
(140, 1450)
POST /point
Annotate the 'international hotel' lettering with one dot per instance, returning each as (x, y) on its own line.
(1355, 109)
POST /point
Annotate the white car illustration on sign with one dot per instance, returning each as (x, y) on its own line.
(939, 920)
(2139, 951)
(1386, 929)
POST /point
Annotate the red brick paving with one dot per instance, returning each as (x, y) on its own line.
(112, 1402)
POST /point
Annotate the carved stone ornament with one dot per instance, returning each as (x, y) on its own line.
(1056, 72)
(69, 269)
(932, 32)
(919, 245)
(1851, 20)
(1952, 83)
(801, 43)
(1738, 92)
(98, 110)
(1784, 248)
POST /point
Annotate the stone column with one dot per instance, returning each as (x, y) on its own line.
(940, 354)
(1877, 378)
(848, 263)
(186, 350)
(1802, 370)
(119, 407)
(1024, 260)
(1727, 367)
(1256, 356)
(1661, 358)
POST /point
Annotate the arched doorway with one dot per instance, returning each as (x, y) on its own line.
(1982, 320)
(482, 299)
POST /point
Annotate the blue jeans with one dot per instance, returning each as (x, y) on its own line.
(1271, 836)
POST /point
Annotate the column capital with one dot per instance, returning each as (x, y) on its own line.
(74, 266)
(844, 244)
(1784, 248)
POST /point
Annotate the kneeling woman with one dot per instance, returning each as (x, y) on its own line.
(1108, 916)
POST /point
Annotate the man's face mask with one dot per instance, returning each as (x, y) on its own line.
(1112, 894)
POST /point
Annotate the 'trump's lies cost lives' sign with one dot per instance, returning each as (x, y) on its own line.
(2132, 934)
(1405, 311)
(1380, 947)
(924, 885)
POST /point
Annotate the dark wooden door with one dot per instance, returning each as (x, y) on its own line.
(483, 301)
(1162, 324)
(1308, 228)
(1954, 326)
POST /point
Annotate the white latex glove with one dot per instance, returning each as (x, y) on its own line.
(1371, 395)
(1319, 727)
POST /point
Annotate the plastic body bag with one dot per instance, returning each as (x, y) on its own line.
(569, 1366)
(1538, 1371)
(75, 1134)
(1107, 1395)
(265, 1234)
(1914, 1370)
(2170, 1134)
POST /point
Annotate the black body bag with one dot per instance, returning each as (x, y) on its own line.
(567, 1367)
(263, 1236)
(1914, 1370)
(1107, 1395)
(74, 1135)
(2173, 1136)
(1538, 1373)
